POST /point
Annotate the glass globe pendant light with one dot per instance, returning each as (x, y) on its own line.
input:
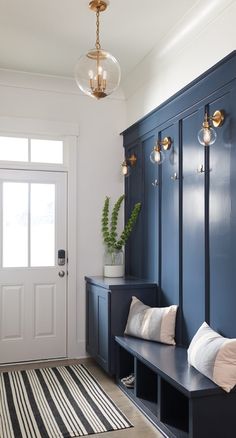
(97, 73)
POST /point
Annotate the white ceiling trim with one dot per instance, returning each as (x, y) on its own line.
(55, 84)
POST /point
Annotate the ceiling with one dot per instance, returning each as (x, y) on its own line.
(48, 36)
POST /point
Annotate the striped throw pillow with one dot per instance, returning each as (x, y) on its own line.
(214, 356)
(151, 323)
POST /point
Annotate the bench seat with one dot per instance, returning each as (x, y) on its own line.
(179, 400)
(171, 363)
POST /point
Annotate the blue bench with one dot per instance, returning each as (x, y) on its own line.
(180, 401)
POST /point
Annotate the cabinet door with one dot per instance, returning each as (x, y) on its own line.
(222, 215)
(193, 227)
(91, 330)
(98, 302)
(103, 327)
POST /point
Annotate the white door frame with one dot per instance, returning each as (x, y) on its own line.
(69, 133)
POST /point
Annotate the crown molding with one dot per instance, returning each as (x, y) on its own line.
(48, 83)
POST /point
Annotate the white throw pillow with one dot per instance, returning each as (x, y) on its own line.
(151, 323)
(214, 356)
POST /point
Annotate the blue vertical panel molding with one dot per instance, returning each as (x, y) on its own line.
(193, 227)
(169, 230)
(170, 219)
(188, 225)
(150, 228)
(223, 218)
(134, 193)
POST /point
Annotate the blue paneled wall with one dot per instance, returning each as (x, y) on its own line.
(185, 239)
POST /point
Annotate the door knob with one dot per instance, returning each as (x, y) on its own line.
(61, 273)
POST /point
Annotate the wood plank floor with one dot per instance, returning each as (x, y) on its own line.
(142, 427)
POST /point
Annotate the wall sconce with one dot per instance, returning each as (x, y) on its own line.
(157, 156)
(127, 164)
(207, 134)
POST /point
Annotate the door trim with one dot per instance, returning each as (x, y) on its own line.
(69, 134)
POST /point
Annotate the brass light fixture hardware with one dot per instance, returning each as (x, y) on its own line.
(96, 5)
(157, 156)
(97, 73)
(218, 118)
(207, 134)
(127, 163)
(166, 143)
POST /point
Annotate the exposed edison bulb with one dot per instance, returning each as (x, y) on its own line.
(207, 136)
(100, 70)
(125, 169)
(157, 156)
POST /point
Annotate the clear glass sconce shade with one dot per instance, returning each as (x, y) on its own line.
(157, 156)
(97, 73)
(125, 169)
(207, 136)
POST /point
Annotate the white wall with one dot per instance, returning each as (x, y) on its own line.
(203, 37)
(100, 154)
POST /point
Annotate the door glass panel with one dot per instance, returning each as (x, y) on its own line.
(46, 151)
(13, 149)
(15, 224)
(42, 245)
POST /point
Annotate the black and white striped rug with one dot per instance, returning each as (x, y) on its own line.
(65, 401)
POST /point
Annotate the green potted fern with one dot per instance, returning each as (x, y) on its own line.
(114, 259)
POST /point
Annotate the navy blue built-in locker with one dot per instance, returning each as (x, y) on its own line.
(185, 239)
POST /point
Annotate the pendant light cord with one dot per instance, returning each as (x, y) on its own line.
(98, 45)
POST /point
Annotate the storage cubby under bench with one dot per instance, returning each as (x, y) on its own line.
(179, 400)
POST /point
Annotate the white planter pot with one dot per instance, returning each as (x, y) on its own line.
(113, 270)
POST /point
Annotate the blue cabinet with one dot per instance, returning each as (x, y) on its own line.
(107, 307)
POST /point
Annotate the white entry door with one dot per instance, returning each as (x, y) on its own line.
(33, 284)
